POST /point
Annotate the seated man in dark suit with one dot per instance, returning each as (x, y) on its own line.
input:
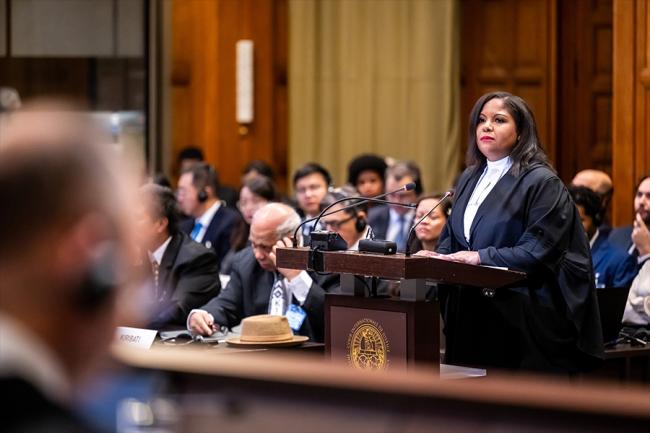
(394, 222)
(64, 231)
(211, 221)
(612, 267)
(185, 273)
(191, 156)
(635, 238)
(258, 286)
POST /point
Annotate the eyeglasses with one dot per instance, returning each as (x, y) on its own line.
(264, 248)
(314, 187)
(337, 224)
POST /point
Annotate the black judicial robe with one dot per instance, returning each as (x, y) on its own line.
(551, 322)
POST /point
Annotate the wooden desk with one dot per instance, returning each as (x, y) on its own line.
(308, 349)
(246, 392)
(629, 363)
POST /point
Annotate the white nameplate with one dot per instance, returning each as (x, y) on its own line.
(137, 337)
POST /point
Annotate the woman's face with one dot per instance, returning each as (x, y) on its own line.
(429, 230)
(249, 203)
(496, 132)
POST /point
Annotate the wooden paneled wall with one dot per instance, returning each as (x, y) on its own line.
(558, 56)
(631, 105)
(511, 45)
(585, 87)
(203, 82)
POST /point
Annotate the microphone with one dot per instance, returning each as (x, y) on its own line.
(407, 250)
(376, 199)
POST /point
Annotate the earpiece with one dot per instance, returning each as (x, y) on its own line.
(360, 224)
(202, 196)
(101, 277)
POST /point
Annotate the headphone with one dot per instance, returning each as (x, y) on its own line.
(202, 196)
(100, 278)
(360, 224)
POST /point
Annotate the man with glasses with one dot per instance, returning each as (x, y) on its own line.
(258, 286)
(351, 224)
(310, 182)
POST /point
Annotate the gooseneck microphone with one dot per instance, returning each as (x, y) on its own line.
(376, 199)
(407, 250)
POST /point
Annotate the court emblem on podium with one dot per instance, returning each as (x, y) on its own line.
(368, 346)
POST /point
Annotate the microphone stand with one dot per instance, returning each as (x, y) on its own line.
(407, 249)
(375, 199)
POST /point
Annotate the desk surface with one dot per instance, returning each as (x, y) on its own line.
(309, 377)
(308, 348)
(627, 351)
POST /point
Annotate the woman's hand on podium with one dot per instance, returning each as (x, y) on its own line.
(468, 257)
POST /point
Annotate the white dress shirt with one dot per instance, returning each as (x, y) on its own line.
(206, 219)
(298, 287)
(637, 309)
(491, 175)
(394, 224)
(367, 234)
(160, 252)
(23, 355)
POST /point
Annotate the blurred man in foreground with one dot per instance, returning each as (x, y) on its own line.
(63, 239)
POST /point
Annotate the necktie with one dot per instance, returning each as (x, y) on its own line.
(278, 302)
(155, 269)
(400, 239)
(196, 230)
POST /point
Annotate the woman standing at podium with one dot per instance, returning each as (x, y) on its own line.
(511, 210)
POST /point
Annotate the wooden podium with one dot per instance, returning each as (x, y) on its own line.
(379, 333)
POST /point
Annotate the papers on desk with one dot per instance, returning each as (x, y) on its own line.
(136, 337)
(501, 268)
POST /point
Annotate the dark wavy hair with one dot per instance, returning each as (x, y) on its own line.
(528, 148)
(590, 202)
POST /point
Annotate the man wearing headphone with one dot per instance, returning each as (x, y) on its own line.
(612, 267)
(351, 224)
(211, 222)
(64, 231)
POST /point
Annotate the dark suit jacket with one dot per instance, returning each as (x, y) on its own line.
(613, 267)
(379, 220)
(551, 322)
(228, 194)
(249, 290)
(188, 277)
(27, 410)
(217, 235)
(621, 238)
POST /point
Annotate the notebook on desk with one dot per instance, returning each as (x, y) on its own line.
(611, 302)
